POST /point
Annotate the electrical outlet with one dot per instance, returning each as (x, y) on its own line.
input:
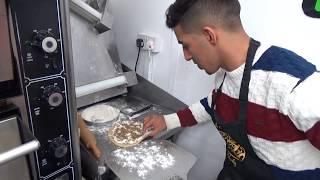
(151, 42)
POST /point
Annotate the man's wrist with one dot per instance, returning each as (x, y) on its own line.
(172, 121)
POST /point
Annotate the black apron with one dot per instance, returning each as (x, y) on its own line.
(241, 161)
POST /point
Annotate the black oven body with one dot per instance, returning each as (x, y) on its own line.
(43, 72)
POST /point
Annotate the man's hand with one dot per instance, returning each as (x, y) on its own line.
(94, 150)
(88, 138)
(155, 123)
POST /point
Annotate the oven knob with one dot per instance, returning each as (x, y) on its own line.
(58, 148)
(53, 95)
(49, 44)
(45, 40)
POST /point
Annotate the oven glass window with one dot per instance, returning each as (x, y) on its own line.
(6, 71)
(9, 83)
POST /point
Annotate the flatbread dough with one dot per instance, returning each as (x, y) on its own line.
(100, 113)
(126, 133)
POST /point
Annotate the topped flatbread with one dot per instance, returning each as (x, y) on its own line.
(126, 133)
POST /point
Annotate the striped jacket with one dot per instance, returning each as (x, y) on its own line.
(283, 112)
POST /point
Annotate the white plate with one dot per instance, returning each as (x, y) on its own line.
(100, 113)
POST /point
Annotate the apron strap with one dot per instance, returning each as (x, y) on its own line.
(213, 103)
(243, 95)
(244, 90)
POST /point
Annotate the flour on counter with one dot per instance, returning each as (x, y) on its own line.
(143, 158)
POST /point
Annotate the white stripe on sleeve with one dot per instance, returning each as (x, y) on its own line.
(172, 121)
(199, 112)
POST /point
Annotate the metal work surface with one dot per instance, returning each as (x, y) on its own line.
(183, 159)
(152, 159)
(124, 104)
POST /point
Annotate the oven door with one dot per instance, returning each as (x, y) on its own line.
(16, 141)
(9, 77)
(6, 70)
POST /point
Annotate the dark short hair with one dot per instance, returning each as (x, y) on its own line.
(192, 13)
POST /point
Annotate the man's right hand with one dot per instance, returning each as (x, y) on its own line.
(155, 123)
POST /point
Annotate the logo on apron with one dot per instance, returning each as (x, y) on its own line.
(235, 152)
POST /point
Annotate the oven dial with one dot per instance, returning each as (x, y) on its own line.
(58, 147)
(45, 40)
(53, 95)
(49, 44)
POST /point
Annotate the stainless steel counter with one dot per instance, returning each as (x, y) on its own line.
(107, 147)
(151, 159)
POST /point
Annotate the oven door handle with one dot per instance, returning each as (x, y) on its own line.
(22, 149)
(19, 151)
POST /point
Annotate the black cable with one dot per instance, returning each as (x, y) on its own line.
(135, 67)
(139, 44)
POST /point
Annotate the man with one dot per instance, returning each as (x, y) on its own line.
(89, 151)
(87, 138)
(266, 102)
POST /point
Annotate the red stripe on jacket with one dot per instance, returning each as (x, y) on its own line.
(186, 118)
(313, 135)
(262, 122)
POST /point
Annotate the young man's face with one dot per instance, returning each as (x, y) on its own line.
(197, 48)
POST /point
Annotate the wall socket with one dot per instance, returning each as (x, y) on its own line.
(151, 42)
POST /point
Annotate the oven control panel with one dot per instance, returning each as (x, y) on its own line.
(41, 40)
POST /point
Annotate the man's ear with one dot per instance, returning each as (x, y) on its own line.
(210, 34)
